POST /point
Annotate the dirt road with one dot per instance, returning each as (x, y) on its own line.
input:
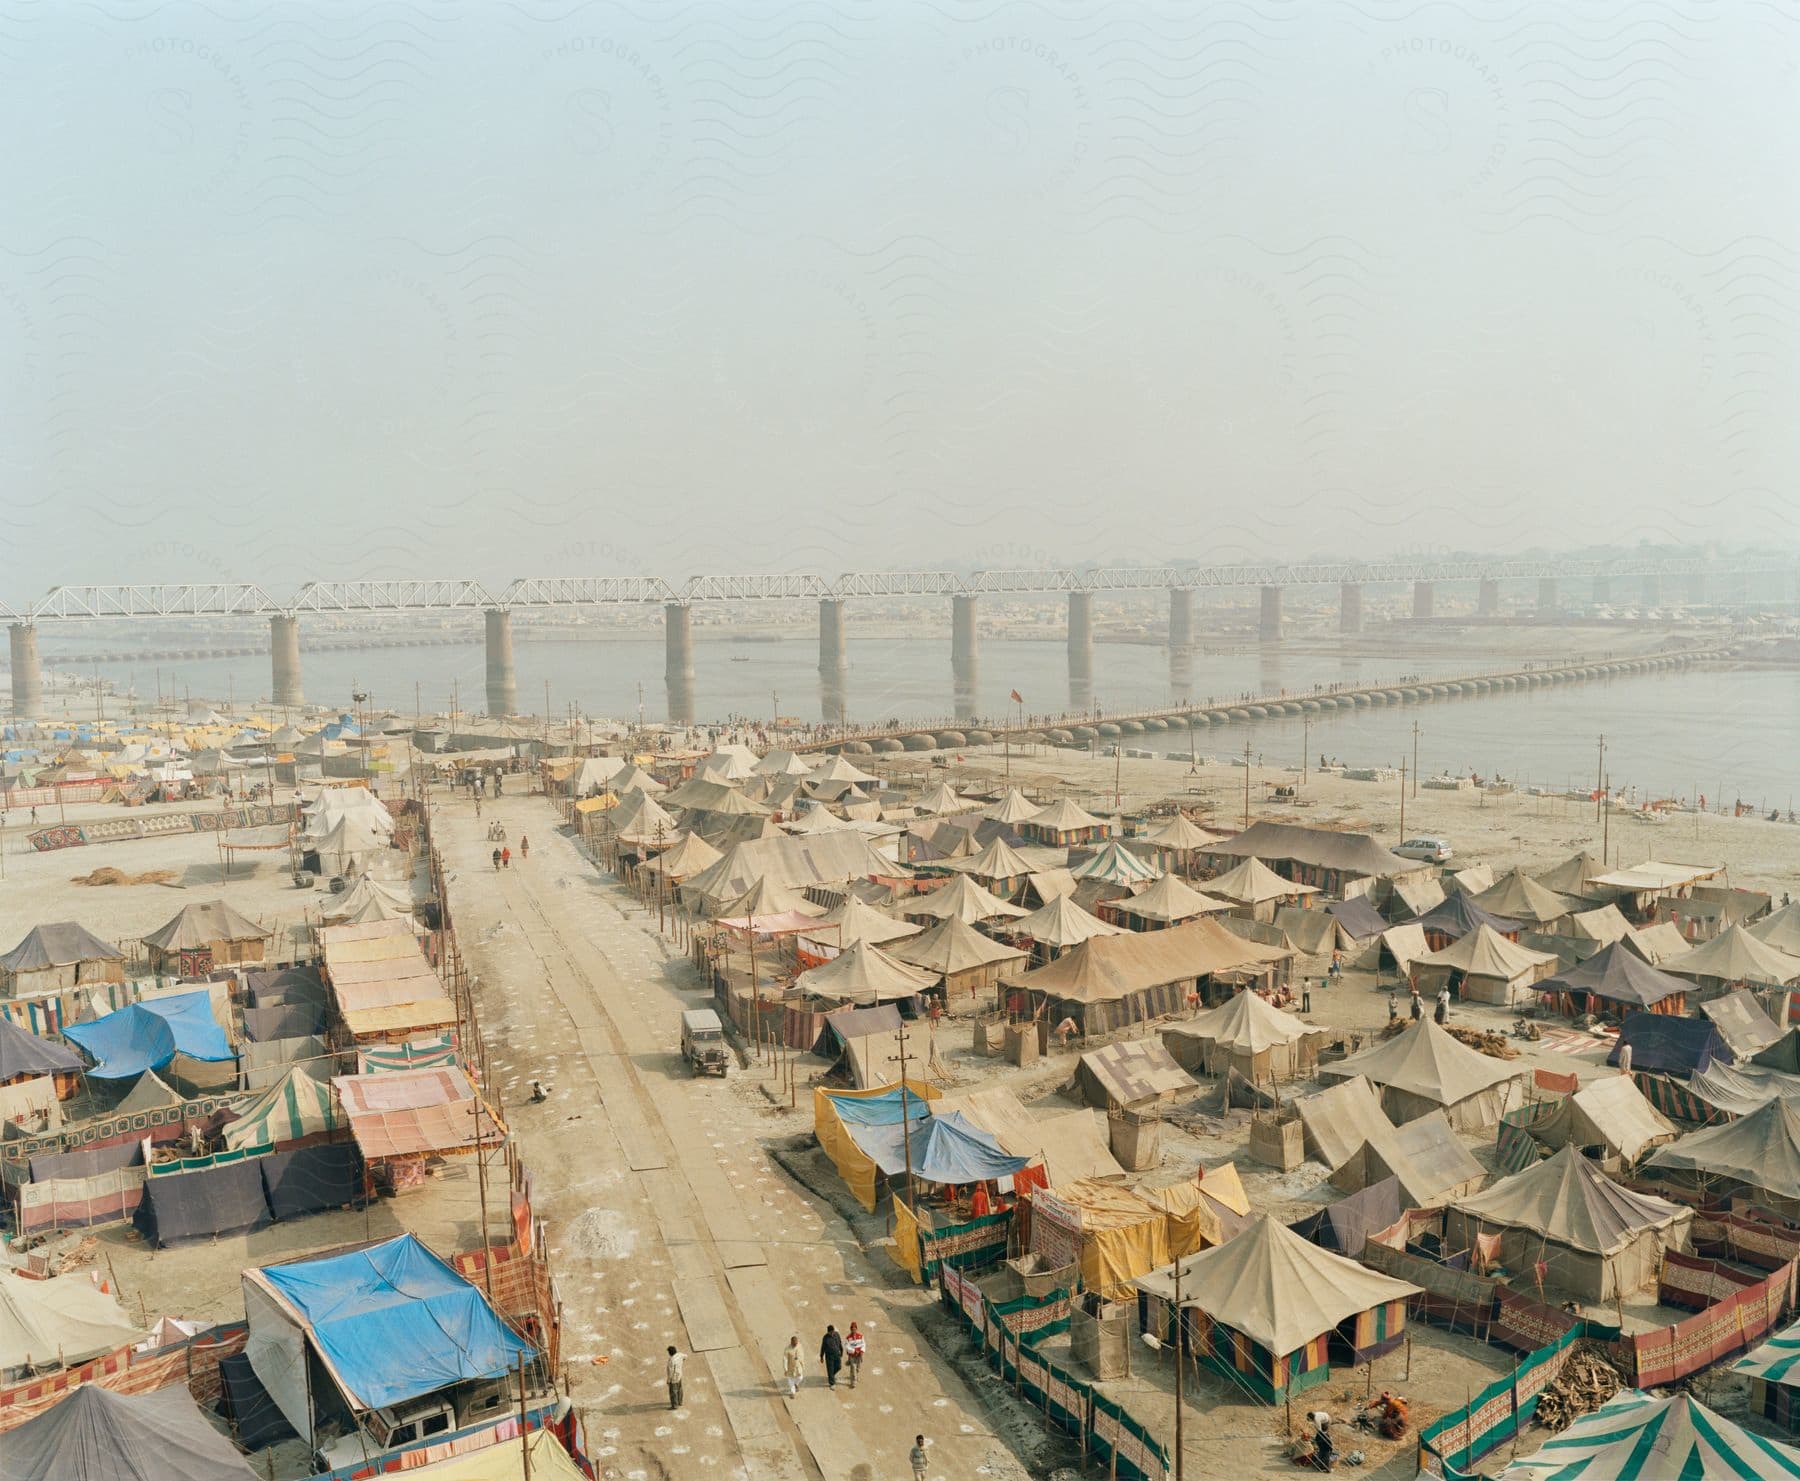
(668, 1222)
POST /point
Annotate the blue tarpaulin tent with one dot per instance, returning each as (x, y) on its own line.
(146, 1036)
(392, 1322)
(945, 1149)
(879, 1110)
(1660, 1041)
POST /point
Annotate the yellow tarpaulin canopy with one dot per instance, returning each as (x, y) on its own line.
(505, 1461)
(601, 803)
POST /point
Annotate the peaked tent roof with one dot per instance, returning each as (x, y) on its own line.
(58, 944)
(1106, 968)
(1635, 1436)
(951, 946)
(1761, 1149)
(1358, 917)
(1484, 952)
(24, 1053)
(1571, 877)
(684, 859)
(1062, 923)
(817, 820)
(1605, 924)
(1780, 930)
(1063, 816)
(1114, 864)
(945, 1147)
(857, 920)
(1457, 915)
(1776, 1360)
(963, 898)
(1276, 1288)
(1609, 1112)
(1739, 1089)
(1169, 899)
(728, 763)
(1662, 1041)
(66, 1319)
(1425, 1155)
(1012, 807)
(1566, 1198)
(650, 822)
(1425, 1061)
(295, 1106)
(1734, 955)
(1255, 883)
(783, 763)
(99, 1434)
(149, 1094)
(1619, 974)
(1340, 1118)
(839, 769)
(1134, 1070)
(1520, 897)
(1181, 833)
(767, 898)
(1246, 1024)
(633, 778)
(1323, 848)
(999, 860)
(863, 974)
(942, 800)
(203, 923)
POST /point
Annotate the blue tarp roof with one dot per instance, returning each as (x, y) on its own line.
(879, 1110)
(146, 1036)
(395, 1321)
(1661, 1041)
(945, 1149)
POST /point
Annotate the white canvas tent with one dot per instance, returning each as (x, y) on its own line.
(1422, 1069)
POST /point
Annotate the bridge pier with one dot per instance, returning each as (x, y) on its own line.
(1350, 608)
(678, 661)
(1602, 592)
(965, 656)
(27, 671)
(1268, 625)
(1546, 602)
(1424, 600)
(834, 667)
(1081, 649)
(1652, 591)
(502, 680)
(1487, 598)
(285, 688)
(1181, 642)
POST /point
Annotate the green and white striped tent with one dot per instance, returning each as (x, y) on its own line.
(1635, 1437)
(417, 1054)
(296, 1106)
(1774, 1373)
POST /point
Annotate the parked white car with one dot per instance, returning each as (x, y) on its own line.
(1431, 850)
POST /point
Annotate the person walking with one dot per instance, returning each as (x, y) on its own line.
(506, 858)
(1418, 1007)
(918, 1458)
(854, 1349)
(1443, 1006)
(1337, 964)
(793, 1365)
(831, 1354)
(524, 848)
(496, 861)
(676, 1369)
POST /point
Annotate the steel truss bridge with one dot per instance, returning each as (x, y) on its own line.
(374, 598)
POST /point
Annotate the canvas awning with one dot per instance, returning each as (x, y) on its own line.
(1569, 1200)
(58, 1323)
(147, 1035)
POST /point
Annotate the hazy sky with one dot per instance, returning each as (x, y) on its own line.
(299, 290)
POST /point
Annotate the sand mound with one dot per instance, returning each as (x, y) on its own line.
(119, 876)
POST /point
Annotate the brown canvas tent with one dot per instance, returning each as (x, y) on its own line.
(962, 898)
(1733, 957)
(1053, 928)
(1610, 1112)
(1430, 1163)
(56, 956)
(1319, 856)
(1255, 890)
(1758, 1154)
(1246, 1034)
(1741, 1022)
(1422, 1069)
(968, 962)
(1166, 902)
(1485, 967)
(863, 974)
(1340, 1118)
(1597, 1239)
(1274, 1306)
(1519, 897)
(1133, 1074)
(1780, 930)
(1072, 1144)
(201, 936)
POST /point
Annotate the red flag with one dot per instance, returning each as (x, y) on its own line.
(1018, 698)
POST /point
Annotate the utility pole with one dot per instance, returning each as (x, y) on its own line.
(1246, 782)
(1403, 801)
(1415, 780)
(1178, 1396)
(1605, 819)
(906, 1116)
(1305, 745)
(1600, 787)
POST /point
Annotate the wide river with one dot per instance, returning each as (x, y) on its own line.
(1722, 732)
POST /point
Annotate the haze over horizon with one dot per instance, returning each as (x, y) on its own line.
(448, 289)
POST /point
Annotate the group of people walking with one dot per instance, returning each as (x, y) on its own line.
(503, 854)
(836, 1352)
